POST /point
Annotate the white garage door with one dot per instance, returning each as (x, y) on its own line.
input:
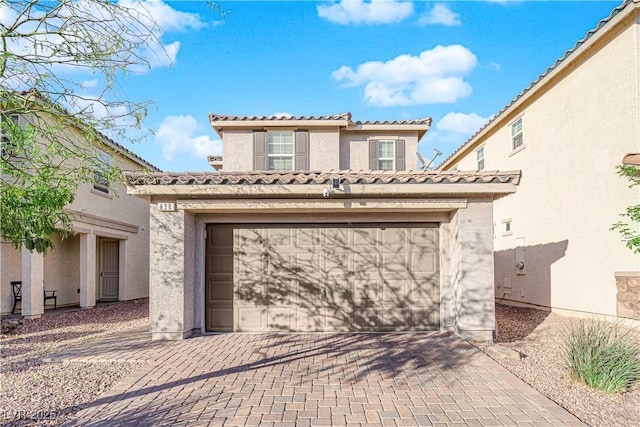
(336, 277)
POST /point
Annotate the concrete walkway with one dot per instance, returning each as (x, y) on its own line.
(311, 379)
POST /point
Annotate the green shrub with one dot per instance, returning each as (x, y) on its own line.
(602, 355)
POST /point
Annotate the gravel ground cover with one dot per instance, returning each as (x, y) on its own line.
(537, 335)
(33, 392)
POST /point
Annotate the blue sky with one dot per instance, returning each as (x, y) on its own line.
(457, 62)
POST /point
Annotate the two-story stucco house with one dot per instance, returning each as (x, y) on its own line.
(315, 224)
(108, 258)
(567, 132)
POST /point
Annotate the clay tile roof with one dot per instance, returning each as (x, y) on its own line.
(225, 118)
(603, 22)
(315, 177)
(425, 121)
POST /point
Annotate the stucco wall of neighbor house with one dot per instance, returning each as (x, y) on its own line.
(171, 308)
(354, 148)
(576, 132)
(62, 272)
(120, 207)
(10, 261)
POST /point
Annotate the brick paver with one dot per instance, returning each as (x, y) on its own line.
(413, 379)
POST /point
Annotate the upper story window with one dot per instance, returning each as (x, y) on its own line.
(516, 134)
(280, 151)
(100, 171)
(386, 154)
(480, 158)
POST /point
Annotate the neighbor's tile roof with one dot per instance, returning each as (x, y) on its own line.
(603, 22)
(222, 117)
(311, 177)
(343, 116)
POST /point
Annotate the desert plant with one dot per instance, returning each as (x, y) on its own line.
(602, 355)
(629, 229)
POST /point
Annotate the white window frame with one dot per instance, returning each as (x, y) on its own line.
(98, 171)
(480, 158)
(292, 156)
(507, 227)
(520, 133)
(392, 158)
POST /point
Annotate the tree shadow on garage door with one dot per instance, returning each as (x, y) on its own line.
(341, 278)
(373, 278)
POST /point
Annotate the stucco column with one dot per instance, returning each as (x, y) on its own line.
(171, 275)
(32, 284)
(87, 270)
(472, 275)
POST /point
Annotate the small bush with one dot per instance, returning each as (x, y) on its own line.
(602, 356)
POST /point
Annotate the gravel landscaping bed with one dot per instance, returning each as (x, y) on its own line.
(537, 335)
(34, 392)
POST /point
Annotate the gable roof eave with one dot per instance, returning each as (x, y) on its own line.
(569, 57)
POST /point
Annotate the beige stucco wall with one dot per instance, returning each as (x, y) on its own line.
(575, 133)
(354, 148)
(328, 148)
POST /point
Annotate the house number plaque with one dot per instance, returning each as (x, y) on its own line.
(166, 207)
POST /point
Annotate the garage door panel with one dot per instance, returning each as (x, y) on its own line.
(427, 237)
(394, 291)
(311, 319)
(338, 277)
(281, 318)
(308, 237)
(422, 290)
(424, 262)
(251, 319)
(423, 318)
(393, 237)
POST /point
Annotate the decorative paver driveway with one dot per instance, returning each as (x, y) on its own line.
(312, 379)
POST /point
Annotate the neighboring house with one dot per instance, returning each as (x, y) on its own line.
(108, 258)
(567, 132)
(315, 224)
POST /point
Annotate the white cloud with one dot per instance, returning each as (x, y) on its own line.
(494, 66)
(434, 76)
(362, 12)
(283, 114)
(178, 135)
(455, 128)
(461, 123)
(168, 18)
(440, 15)
(90, 84)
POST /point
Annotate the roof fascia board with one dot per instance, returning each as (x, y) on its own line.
(508, 112)
(315, 190)
(315, 206)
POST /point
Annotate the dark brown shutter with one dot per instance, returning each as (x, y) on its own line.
(259, 151)
(401, 163)
(301, 150)
(374, 156)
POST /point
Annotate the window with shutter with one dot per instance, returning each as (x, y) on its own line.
(387, 154)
